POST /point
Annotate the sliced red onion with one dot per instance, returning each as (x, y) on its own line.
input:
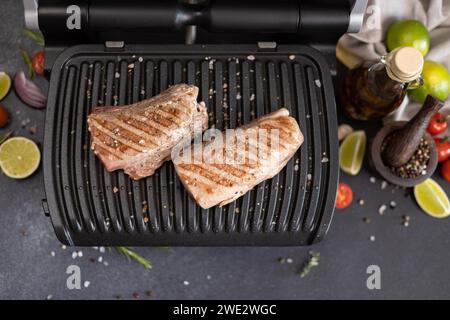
(29, 92)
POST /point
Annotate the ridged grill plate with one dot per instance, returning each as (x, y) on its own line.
(90, 206)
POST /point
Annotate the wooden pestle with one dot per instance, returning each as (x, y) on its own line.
(405, 141)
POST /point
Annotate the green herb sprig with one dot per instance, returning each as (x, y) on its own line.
(313, 261)
(26, 58)
(4, 136)
(38, 38)
(131, 255)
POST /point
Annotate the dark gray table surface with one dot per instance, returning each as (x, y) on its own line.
(414, 261)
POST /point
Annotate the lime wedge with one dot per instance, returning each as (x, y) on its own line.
(432, 199)
(5, 85)
(351, 152)
(19, 157)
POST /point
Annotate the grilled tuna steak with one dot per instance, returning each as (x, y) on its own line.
(221, 170)
(138, 138)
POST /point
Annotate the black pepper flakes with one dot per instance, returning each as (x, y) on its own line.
(417, 165)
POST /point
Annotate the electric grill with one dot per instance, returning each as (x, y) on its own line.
(251, 56)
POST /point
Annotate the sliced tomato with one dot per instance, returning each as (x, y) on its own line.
(344, 196)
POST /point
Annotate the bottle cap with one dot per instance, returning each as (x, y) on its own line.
(405, 64)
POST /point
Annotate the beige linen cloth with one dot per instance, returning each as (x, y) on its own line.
(380, 14)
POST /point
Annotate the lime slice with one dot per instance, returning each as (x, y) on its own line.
(432, 199)
(19, 157)
(5, 84)
(351, 152)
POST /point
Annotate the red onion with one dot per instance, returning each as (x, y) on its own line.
(29, 92)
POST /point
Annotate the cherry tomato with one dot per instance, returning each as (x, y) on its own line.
(4, 117)
(344, 196)
(445, 170)
(443, 149)
(38, 63)
(438, 124)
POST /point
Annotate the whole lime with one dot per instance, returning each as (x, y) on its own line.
(408, 33)
(436, 82)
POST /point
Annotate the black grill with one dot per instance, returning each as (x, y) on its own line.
(90, 206)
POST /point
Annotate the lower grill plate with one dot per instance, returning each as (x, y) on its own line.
(90, 206)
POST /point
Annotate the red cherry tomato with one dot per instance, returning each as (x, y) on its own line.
(344, 196)
(438, 124)
(443, 149)
(38, 63)
(445, 170)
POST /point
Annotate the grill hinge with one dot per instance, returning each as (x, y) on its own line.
(114, 45)
(267, 46)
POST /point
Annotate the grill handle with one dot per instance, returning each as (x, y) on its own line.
(82, 21)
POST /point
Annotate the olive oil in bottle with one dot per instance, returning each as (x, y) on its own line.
(375, 89)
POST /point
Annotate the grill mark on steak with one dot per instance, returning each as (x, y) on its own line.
(139, 128)
(128, 129)
(200, 171)
(168, 115)
(230, 169)
(125, 139)
(188, 181)
(110, 151)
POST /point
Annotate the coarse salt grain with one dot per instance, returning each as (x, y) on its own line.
(102, 249)
(186, 283)
(74, 255)
(251, 57)
(382, 209)
(87, 284)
